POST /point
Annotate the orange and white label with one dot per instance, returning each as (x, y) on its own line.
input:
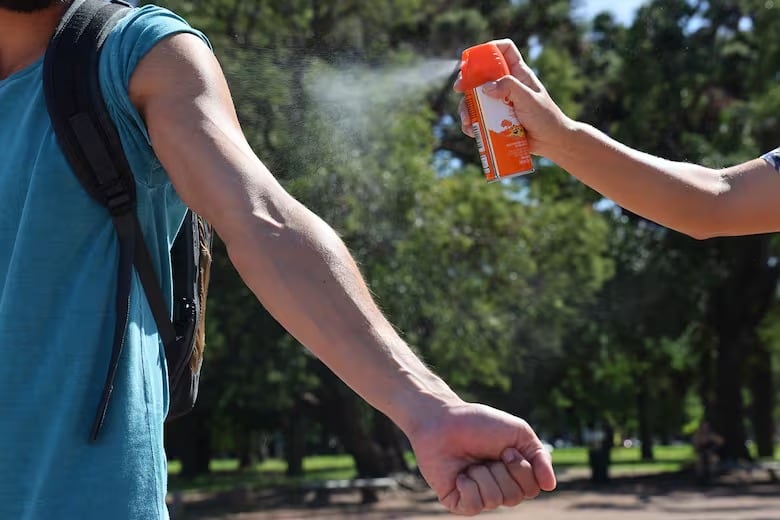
(503, 145)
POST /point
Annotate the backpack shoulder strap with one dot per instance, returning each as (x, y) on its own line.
(72, 89)
(90, 142)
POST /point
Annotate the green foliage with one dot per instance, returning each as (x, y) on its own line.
(556, 69)
(482, 278)
(534, 288)
(458, 28)
(253, 373)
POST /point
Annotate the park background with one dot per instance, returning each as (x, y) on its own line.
(537, 296)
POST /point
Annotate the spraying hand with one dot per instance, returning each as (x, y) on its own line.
(543, 120)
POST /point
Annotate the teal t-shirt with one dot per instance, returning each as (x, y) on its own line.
(58, 261)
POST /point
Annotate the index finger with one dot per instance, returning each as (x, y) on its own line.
(509, 50)
(517, 65)
(511, 53)
(458, 85)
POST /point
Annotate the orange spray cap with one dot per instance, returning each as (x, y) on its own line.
(481, 64)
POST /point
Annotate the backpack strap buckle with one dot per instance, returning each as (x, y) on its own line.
(118, 199)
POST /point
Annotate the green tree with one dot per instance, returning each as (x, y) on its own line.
(535, 287)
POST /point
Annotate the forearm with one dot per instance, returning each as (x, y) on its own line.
(311, 285)
(678, 195)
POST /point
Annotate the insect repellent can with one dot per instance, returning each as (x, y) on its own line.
(501, 139)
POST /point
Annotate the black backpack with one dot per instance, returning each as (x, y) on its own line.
(91, 144)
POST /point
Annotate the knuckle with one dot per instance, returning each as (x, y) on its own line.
(475, 472)
(532, 494)
(513, 499)
(496, 468)
(493, 503)
(492, 499)
(469, 509)
(517, 467)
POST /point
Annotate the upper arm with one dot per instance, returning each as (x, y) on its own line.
(181, 93)
(751, 203)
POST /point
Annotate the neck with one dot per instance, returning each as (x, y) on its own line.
(24, 36)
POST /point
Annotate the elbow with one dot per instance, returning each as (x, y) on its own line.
(704, 222)
(707, 217)
(701, 234)
(701, 226)
(254, 222)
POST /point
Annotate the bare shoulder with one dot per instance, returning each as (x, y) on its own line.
(178, 65)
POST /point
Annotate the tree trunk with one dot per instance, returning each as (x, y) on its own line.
(762, 392)
(729, 415)
(295, 442)
(389, 438)
(192, 441)
(357, 441)
(706, 371)
(599, 452)
(737, 307)
(343, 413)
(247, 452)
(645, 432)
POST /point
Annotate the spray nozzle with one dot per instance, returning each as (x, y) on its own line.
(481, 64)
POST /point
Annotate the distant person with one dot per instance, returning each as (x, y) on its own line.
(706, 444)
(698, 201)
(58, 254)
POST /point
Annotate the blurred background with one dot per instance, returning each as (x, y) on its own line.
(614, 337)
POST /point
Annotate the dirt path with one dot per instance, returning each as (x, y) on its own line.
(629, 499)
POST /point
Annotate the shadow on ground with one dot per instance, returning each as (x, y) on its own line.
(666, 493)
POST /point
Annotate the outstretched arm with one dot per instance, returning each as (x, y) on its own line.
(304, 275)
(699, 201)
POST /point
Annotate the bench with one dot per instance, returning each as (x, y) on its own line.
(748, 469)
(368, 488)
(771, 467)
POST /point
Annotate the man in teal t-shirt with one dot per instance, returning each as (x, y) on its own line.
(57, 266)
(58, 254)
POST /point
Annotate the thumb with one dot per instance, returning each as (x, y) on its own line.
(541, 462)
(539, 458)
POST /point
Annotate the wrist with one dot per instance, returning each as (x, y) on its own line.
(424, 402)
(564, 140)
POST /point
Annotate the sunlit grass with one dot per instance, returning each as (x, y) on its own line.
(672, 456)
(225, 474)
(269, 473)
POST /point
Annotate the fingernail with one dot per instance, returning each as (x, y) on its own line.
(510, 455)
(487, 88)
